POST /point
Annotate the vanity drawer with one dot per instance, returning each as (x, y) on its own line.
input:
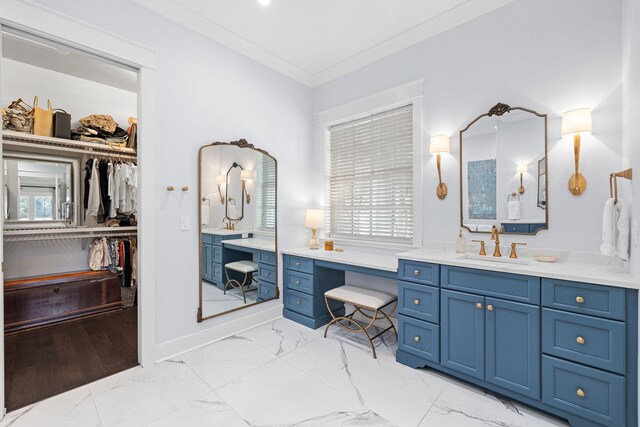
(266, 273)
(267, 257)
(502, 285)
(584, 339)
(217, 254)
(299, 281)
(419, 272)
(218, 273)
(419, 301)
(419, 338)
(516, 228)
(584, 298)
(587, 392)
(207, 238)
(266, 291)
(299, 302)
(304, 265)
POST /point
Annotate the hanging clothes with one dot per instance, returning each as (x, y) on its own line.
(110, 190)
(94, 204)
(104, 189)
(87, 179)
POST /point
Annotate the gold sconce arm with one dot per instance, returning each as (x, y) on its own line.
(247, 196)
(577, 182)
(437, 145)
(441, 190)
(220, 193)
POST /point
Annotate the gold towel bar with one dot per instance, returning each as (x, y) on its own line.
(613, 182)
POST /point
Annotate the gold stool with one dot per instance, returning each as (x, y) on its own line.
(368, 303)
(245, 267)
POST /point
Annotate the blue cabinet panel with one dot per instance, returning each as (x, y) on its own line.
(299, 302)
(304, 265)
(419, 338)
(207, 238)
(207, 266)
(510, 227)
(267, 257)
(587, 392)
(462, 339)
(266, 273)
(266, 291)
(502, 285)
(419, 272)
(584, 339)
(603, 301)
(301, 282)
(217, 254)
(513, 346)
(419, 301)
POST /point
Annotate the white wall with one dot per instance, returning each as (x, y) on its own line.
(631, 110)
(546, 55)
(205, 93)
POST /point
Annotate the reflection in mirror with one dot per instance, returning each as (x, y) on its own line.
(238, 234)
(38, 189)
(503, 171)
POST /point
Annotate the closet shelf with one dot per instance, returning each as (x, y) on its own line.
(33, 234)
(27, 140)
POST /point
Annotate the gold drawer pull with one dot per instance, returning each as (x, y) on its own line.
(417, 338)
(579, 299)
(416, 272)
(479, 306)
(298, 302)
(297, 282)
(416, 302)
(490, 307)
(580, 340)
(580, 393)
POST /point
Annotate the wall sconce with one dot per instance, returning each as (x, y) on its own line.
(221, 180)
(574, 122)
(314, 220)
(247, 175)
(437, 145)
(522, 168)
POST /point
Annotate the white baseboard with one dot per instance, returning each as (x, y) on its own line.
(191, 342)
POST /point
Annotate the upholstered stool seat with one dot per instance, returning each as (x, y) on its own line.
(247, 268)
(368, 303)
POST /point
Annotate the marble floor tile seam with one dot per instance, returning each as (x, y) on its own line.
(431, 406)
(285, 352)
(95, 406)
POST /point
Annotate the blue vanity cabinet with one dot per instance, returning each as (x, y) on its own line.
(207, 265)
(267, 274)
(214, 257)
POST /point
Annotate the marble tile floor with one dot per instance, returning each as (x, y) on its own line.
(280, 374)
(215, 301)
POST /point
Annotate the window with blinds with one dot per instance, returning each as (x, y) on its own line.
(370, 178)
(266, 195)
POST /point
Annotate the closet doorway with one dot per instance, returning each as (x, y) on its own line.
(70, 217)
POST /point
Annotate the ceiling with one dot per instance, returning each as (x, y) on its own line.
(316, 41)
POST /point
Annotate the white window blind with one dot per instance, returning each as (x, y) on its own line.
(370, 178)
(266, 194)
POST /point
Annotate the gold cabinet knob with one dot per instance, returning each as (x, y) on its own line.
(171, 188)
(298, 302)
(297, 282)
(580, 392)
(479, 305)
(416, 301)
(580, 340)
(416, 272)
(490, 307)
(185, 188)
(579, 299)
(416, 338)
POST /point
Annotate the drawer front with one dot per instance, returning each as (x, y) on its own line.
(266, 273)
(584, 339)
(419, 301)
(299, 302)
(584, 298)
(207, 238)
(502, 285)
(419, 272)
(266, 291)
(217, 239)
(217, 254)
(590, 393)
(267, 257)
(218, 273)
(299, 282)
(419, 338)
(304, 265)
(516, 228)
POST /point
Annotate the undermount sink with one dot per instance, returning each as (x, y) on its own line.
(503, 259)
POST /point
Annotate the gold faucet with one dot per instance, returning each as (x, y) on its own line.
(482, 250)
(513, 253)
(495, 235)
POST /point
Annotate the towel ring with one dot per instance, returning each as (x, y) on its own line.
(516, 195)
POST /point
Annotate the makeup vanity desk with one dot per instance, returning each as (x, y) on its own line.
(264, 250)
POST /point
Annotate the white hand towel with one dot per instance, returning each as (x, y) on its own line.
(514, 210)
(622, 228)
(205, 215)
(609, 220)
(484, 228)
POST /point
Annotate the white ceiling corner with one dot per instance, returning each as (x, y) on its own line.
(316, 41)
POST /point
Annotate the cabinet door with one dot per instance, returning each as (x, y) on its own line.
(462, 332)
(207, 274)
(513, 346)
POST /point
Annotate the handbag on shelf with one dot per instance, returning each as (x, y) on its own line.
(42, 119)
(61, 124)
(18, 116)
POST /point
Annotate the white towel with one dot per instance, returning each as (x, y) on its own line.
(485, 228)
(514, 210)
(622, 228)
(615, 230)
(205, 215)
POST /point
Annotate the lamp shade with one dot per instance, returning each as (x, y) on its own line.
(221, 179)
(576, 121)
(440, 144)
(314, 219)
(522, 168)
(247, 175)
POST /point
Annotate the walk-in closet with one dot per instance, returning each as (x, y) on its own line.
(70, 217)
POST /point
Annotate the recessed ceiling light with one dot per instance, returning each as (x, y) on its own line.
(264, 2)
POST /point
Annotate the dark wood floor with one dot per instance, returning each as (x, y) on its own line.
(45, 362)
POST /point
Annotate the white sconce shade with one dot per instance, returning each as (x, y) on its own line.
(314, 218)
(247, 175)
(221, 179)
(440, 144)
(577, 121)
(522, 168)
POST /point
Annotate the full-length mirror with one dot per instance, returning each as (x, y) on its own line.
(503, 171)
(238, 232)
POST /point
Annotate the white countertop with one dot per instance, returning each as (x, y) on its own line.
(351, 256)
(253, 243)
(224, 232)
(563, 270)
